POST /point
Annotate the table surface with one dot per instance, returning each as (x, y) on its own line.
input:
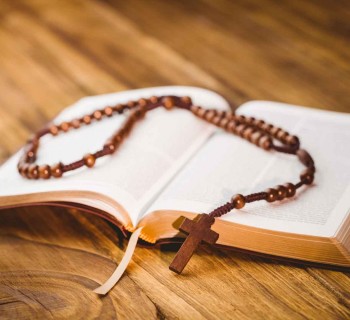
(55, 52)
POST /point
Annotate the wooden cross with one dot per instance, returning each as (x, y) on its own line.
(198, 230)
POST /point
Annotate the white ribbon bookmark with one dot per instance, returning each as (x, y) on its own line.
(114, 278)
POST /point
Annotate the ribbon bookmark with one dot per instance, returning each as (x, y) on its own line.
(114, 278)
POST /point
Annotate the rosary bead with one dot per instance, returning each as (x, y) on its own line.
(142, 102)
(194, 109)
(274, 131)
(108, 111)
(54, 130)
(241, 119)
(281, 192)
(231, 127)
(247, 133)
(131, 104)
(250, 120)
(64, 126)
(223, 123)
(216, 120)
(97, 115)
(210, 115)
(30, 156)
(75, 123)
(23, 170)
(89, 160)
(87, 119)
(265, 142)
(290, 189)
(154, 99)
(292, 140)
(271, 195)
(201, 112)
(255, 137)
(186, 100)
(238, 200)
(282, 135)
(168, 103)
(240, 129)
(44, 172)
(33, 172)
(305, 158)
(266, 127)
(118, 108)
(259, 123)
(56, 170)
(307, 176)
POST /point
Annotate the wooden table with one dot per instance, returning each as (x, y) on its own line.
(55, 52)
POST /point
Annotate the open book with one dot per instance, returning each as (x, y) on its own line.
(174, 164)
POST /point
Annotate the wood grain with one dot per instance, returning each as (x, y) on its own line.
(55, 52)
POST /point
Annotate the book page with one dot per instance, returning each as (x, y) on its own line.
(156, 149)
(227, 165)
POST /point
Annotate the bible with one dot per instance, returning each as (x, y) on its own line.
(174, 165)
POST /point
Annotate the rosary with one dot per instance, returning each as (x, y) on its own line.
(255, 131)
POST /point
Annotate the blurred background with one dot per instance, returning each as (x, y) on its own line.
(55, 52)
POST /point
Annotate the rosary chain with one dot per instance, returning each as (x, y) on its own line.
(253, 130)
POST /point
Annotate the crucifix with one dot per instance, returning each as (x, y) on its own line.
(197, 230)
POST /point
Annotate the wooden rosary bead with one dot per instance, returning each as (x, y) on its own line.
(307, 176)
(87, 119)
(240, 129)
(57, 170)
(54, 130)
(186, 100)
(250, 121)
(89, 160)
(216, 120)
(75, 124)
(304, 157)
(241, 118)
(266, 127)
(256, 136)
(44, 172)
(247, 133)
(154, 99)
(231, 126)
(271, 195)
(281, 192)
(290, 189)
(168, 103)
(259, 123)
(265, 142)
(108, 111)
(194, 109)
(119, 108)
(201, 112)
(131, 104)
(281, 134)
(33, 172)
(274, 131)
(97, 115)
(23, 170)
(142, 102)
(292, 140)
(30, 157)
(64, 126)
(210, 115)
(238, 200)
(223, 123)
